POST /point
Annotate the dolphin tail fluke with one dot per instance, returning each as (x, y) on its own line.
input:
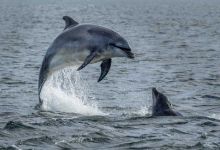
(87, 60)
(105, 66)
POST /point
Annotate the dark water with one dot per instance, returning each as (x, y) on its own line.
(176, 43)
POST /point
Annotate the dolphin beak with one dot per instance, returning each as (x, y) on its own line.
(154, 93)
(128, 52)
(154, 96)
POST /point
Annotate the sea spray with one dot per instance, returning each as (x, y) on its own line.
(65, 91)
(215, 116)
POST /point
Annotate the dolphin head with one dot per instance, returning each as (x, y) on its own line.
(109, 43)
(121, 48)
(161, 105)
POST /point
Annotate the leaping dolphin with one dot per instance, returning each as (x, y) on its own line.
(82, 44)
(161, 105)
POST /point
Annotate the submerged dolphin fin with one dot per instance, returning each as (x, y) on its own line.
(69, 22)
(105, 66)
(87, 60)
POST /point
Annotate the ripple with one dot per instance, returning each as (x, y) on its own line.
(14, 125)
(37, 141)
(211, 97)
(95, 137)
(12, 147)
(7, 80)
(64, 145)
(208, 123)
(3, 134)
(56, 122)
(178, 131)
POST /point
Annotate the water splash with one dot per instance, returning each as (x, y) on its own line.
(65, 91)
(141, 112)
(144, 111)
(215, 116)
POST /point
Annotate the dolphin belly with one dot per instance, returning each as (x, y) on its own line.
(63, 59)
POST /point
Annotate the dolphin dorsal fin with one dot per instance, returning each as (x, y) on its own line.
(69, 22)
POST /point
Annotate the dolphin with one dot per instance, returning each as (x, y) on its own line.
(161, 105)
(81, 45)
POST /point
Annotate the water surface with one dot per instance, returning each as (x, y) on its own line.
(176, 43)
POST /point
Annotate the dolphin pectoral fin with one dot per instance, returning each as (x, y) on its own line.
(105, 66)
(87, 60)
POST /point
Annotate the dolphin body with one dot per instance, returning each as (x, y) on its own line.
(81, 45)
(161, 105)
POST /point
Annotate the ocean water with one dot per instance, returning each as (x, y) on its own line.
(177, 49)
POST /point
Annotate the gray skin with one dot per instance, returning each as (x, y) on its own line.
(81, 45)
(161, 105)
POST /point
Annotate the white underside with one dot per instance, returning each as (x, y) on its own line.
(63, 60)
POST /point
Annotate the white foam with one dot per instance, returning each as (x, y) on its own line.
(144, 111)
(64, 91)
(215, 116)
